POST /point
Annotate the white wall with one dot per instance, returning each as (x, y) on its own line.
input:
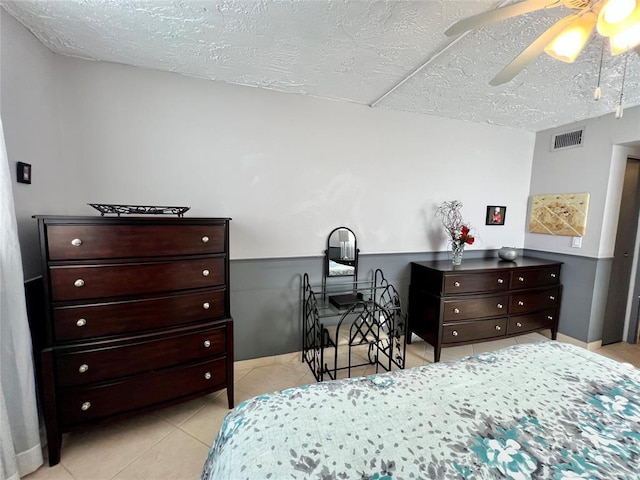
(28, 107)
(596, 168)
(286, 168)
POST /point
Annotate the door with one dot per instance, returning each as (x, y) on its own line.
(619, 283)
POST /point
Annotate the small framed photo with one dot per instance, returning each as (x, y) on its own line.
(495, 215)
(24, 172)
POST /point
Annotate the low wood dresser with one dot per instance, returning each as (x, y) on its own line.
(482, 299)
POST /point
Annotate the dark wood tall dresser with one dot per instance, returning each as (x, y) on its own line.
(137, 316)
(482, 299)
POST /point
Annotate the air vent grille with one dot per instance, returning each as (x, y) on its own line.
(568, 139)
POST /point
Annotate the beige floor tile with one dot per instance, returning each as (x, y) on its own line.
(622, 352)
(240, 373)
(531, 338)
(178, 414)
(448, 354)
(269, 378)
(240, 396)
(293, 357)
(307, 379)
(417, 348)
(493, 345)
(253, 363)
(412, 362)
(205, 424)
(416, 355)
(57, 472)
(355, 372)
(177, 456)
(102, 451)
(297, 365)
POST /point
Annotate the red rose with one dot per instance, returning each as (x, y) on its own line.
(465, 237)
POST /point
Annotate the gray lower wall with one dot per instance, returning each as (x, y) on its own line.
(265, 295)
(583, 294)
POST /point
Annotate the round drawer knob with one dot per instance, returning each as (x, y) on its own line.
(456, 284)
(207, 343)
(551, 297)
(81, 322)
(500, 281)
(518, 324)
(498, 327)
(79, 283)
(553, 275)
(86, 406)
(456, 310)
(499, 306)
(205, 273)
(76, 242)
(549, 317)
(207, 375)
(454, 333)
(205, 239)
(520, 302)
(521, 279)
(206, 305)
(83, 368)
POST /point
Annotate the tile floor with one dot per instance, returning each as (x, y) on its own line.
(173, 443)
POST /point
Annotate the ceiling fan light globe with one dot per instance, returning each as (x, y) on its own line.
(568, 44)
(566, 47)
(625, 40)
(617, 16)
(615, 11)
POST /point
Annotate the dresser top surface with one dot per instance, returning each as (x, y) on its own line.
(475, 264)
(127, 219)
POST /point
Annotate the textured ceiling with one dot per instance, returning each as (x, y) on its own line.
(350, 50)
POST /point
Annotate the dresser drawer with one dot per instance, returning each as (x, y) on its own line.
(532, 321)
(101, 319)
(475, 307)
(537, 277)
(97, 281)
(526, 302)
(476, 282)
(112, 360)
(476, 330)
(77, 242)
(77, 405)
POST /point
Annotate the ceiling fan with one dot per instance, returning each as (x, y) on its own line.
(618, 20)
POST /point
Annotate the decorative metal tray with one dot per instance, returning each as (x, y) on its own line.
(138, 209)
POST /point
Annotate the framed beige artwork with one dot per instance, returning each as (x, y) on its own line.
(559, 214)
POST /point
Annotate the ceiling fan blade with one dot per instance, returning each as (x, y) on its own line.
(499, 14)
(532, 51)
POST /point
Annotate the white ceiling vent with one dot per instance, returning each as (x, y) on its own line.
(564, 140)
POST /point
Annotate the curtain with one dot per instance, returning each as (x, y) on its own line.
(20, 449)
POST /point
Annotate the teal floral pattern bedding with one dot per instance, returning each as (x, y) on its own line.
(548, 410)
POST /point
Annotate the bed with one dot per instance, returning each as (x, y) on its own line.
(339, 269)
(547, 410)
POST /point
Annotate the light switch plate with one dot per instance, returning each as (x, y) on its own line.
(576, 242)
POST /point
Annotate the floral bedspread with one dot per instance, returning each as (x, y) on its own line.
(546, 410)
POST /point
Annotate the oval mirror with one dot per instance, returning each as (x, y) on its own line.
(342, 253)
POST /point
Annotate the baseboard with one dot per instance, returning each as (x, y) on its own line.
(573, 341)
(268, 360)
